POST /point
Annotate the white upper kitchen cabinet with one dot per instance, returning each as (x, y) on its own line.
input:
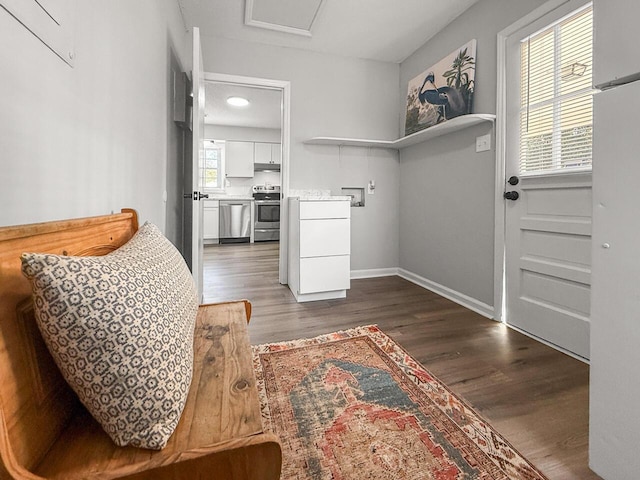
(276, 153)
(267, 152)
(615, 52)
(239, 159)
(262, 152)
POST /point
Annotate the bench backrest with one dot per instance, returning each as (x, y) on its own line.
(35, 402)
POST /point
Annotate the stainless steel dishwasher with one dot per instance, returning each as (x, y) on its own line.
(235, 221)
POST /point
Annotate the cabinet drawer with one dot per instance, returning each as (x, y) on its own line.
(324, 237)
(329, 209)
(325, 274)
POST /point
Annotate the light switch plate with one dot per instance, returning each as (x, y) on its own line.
(371, 188)
(483, 143)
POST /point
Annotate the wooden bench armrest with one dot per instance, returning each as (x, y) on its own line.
(247, 306)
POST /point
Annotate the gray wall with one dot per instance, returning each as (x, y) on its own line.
(94, 138)
(446, 189)
(333, 96)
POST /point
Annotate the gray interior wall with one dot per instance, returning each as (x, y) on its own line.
(90, 139)
(333, 96)
(446, 189)
(446, 213)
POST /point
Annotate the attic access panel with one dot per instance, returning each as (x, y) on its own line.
(289, 16)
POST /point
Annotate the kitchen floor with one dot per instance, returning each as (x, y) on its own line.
(532, 394)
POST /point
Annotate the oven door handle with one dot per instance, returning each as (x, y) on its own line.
(267, 202)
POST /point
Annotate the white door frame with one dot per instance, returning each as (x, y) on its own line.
(501, 139)
(285, 87)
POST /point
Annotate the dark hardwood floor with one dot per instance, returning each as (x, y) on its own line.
(533, 395)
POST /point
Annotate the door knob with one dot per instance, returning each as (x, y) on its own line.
(196, 195)
(511, 195)
(513, 180)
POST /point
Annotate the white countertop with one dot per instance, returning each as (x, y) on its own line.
(228, 197)
(323, 198)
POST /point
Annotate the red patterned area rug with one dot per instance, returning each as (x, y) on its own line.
(354, 405)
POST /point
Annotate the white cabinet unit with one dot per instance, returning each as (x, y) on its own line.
(239, 159)
(319, 248)
(262, 152)
(211, 221)
(276, 153)
(615, 42)
(267, 152)
(615, 299)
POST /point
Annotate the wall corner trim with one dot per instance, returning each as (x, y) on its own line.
(457, 297)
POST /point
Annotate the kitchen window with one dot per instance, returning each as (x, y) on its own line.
(211, 166)
(556, 96)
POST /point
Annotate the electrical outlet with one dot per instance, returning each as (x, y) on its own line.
(371, 187)
(483, 143)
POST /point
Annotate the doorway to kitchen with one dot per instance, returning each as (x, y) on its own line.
(244, 170)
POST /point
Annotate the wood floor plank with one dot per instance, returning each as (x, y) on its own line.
(533, 395)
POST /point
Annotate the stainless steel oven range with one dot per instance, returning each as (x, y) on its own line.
(267, 212)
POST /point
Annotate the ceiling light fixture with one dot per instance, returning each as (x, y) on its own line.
(238, 101)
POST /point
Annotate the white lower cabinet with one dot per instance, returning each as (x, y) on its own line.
(211, 224)
(324, 274)
(319, 248)
(325, 237)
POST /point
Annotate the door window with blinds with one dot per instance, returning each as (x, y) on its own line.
(556, 96)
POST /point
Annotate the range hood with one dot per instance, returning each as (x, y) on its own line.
(266, 167)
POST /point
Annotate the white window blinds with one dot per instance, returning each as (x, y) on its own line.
(556, 96)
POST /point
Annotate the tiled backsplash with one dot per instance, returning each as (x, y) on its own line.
(242, 186)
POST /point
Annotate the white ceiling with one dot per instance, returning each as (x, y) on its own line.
(384, 30)
(264, 109)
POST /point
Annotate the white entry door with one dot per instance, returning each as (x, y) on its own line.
(548, 179)
(193, 198)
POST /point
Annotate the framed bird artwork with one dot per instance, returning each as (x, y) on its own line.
(443, 91)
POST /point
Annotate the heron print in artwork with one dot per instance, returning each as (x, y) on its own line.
(429, 104)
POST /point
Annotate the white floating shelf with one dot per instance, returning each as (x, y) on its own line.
(453, 125)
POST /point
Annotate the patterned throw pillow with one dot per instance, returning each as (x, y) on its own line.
(120, 328)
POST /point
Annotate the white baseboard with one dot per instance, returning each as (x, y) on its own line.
(457, 297)
(460, 298)
(374, 272)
